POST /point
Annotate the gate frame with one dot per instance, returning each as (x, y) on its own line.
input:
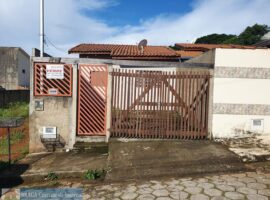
(78, 99)
(208, 98)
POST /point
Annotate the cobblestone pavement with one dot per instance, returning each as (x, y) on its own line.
(250, 185)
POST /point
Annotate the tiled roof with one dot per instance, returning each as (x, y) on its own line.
(205, 47)
(187, 53)
(125, 51)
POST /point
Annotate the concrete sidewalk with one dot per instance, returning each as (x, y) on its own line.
(35, 167)
(168, 158)
(132, 160)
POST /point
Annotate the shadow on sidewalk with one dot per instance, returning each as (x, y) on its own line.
(12, 177)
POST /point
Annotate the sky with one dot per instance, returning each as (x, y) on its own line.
(161, 22)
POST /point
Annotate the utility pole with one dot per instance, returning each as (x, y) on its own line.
(41, 28)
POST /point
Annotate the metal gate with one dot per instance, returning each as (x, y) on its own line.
(92, 96)
(155, 104)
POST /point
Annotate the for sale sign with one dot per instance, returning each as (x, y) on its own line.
(55, 71)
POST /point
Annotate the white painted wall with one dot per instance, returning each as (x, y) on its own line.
(240, 91)
(242, 58)
(235, 125)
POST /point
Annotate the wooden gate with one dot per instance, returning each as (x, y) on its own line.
(92, 96)
(155, 104)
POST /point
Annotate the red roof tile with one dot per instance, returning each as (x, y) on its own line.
(186, 53)
(125, 51)
(205, 47)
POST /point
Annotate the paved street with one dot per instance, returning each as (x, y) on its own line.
(250, 185)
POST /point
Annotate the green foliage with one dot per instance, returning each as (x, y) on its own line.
(93, 174)
(214, 39)
(15, 137)
(52, 176)
(18, 109)
(251, 35)
(173, 47)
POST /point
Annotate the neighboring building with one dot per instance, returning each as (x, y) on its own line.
(125, 52)
(187, 55)
(188, 51)
(265, 41)
(240, 99)
(14, 68)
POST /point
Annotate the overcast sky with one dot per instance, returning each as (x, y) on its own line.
(161, 22)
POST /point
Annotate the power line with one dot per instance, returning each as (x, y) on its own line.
(53, 45)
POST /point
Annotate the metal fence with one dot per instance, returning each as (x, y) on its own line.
(52, 87)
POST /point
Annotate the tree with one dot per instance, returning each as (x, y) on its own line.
(250, 36)
(214, 39)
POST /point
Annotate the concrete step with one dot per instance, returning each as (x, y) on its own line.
(91, 147)
(147, 172)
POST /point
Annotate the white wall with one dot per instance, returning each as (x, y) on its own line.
(241, 91)
(242, 58)
(245, 91)
(235, 125)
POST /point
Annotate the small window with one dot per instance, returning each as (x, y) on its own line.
(23, 71)
(257, 125)
(257, 122)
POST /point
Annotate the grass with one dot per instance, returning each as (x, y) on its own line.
(15, 137)
(94, 174)
(51, 176)
(18, 135)
(18, 109)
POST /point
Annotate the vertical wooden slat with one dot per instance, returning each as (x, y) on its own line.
(112, 102)
(189, 102)
(172, 111)
(156, 107)
(207, 107)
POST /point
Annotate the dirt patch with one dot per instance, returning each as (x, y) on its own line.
(20, 147)
(250, 147)
(3, 132)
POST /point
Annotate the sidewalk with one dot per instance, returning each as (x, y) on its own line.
(65, 164)
(146, 159)
(129, 160)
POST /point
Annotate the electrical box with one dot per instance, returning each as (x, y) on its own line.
(49, 133)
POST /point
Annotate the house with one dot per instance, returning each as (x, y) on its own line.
(92, 90)
(125, 52)
(14, 68)
(187, 54)
(265, 41)
(239, 94)
(221, 93)
(189, 50)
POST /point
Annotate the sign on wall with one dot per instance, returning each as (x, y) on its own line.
(52, 79)
(55, 71)
(53, 91)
